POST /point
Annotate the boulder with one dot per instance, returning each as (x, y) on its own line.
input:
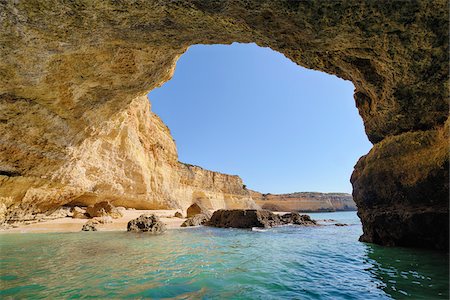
(90, 225)
(79, 213)
(244, 218)
(196, 209)
(102, 209)
(178, 215)
(147, 223)
(298, 219)
(199, 219)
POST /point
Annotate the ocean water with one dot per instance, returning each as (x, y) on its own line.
(290, 262)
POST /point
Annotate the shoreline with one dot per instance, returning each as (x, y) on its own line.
(69, 224)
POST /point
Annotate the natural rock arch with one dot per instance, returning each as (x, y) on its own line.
(75, 127)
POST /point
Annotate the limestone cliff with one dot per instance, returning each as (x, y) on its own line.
(131, 160)
(305, 201)
(71, 71)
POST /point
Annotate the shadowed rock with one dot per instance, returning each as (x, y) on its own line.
(196, 209)
(248, 218)
(79, 213)
(147, 223)
(200, 219)
(90, 225)
(103, 209)
(298, 219)
(81, 98)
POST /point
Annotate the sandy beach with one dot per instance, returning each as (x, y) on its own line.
(69, 224)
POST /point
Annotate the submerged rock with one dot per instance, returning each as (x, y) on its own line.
(103, 209)
(90, 225)
(200, 219)
(147, 223)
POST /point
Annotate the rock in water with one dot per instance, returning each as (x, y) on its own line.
(298, 219)
(147, 223)
(103, 209)
(200, 219)
(244, 218)
(90, 225)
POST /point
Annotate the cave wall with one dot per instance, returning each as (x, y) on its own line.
(69, 69)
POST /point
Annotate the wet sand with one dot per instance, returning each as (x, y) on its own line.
(69, 224)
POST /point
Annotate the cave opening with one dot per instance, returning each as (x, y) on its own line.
(247, 110)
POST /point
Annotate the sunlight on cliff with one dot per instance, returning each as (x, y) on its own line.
(246, 110)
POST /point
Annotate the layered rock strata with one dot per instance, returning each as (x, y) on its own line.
(305, 201)
(73, 124)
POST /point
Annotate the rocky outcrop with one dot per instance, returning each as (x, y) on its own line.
(298, 219)
(75, 127)
(196, 209)
(103, 209)
(402, 186)
(133, 163)
(90, 225)
(147, 223)
(244, 218)
(249, 218)
(197, 220)
(305, 201)
(79, 213)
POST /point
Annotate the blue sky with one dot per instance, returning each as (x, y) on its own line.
(246, 110)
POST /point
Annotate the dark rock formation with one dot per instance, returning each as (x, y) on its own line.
(178, 215)
(199, 219)
(401, 188)
(248, 218)
(103, 209)
(244, 218)
(72, 71)
(147, 223)
(298, 219)
(90, 225)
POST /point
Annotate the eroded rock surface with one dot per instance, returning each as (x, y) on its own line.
(103, 209)
(147, 223)
(298, 219)
(244, 218)
(90, 225)
(197, 220)
(249, 218)
(196, 209)
(75, 127)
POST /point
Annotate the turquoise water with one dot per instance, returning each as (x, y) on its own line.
(325, 262)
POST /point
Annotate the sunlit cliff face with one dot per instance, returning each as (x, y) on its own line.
(72, 116)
